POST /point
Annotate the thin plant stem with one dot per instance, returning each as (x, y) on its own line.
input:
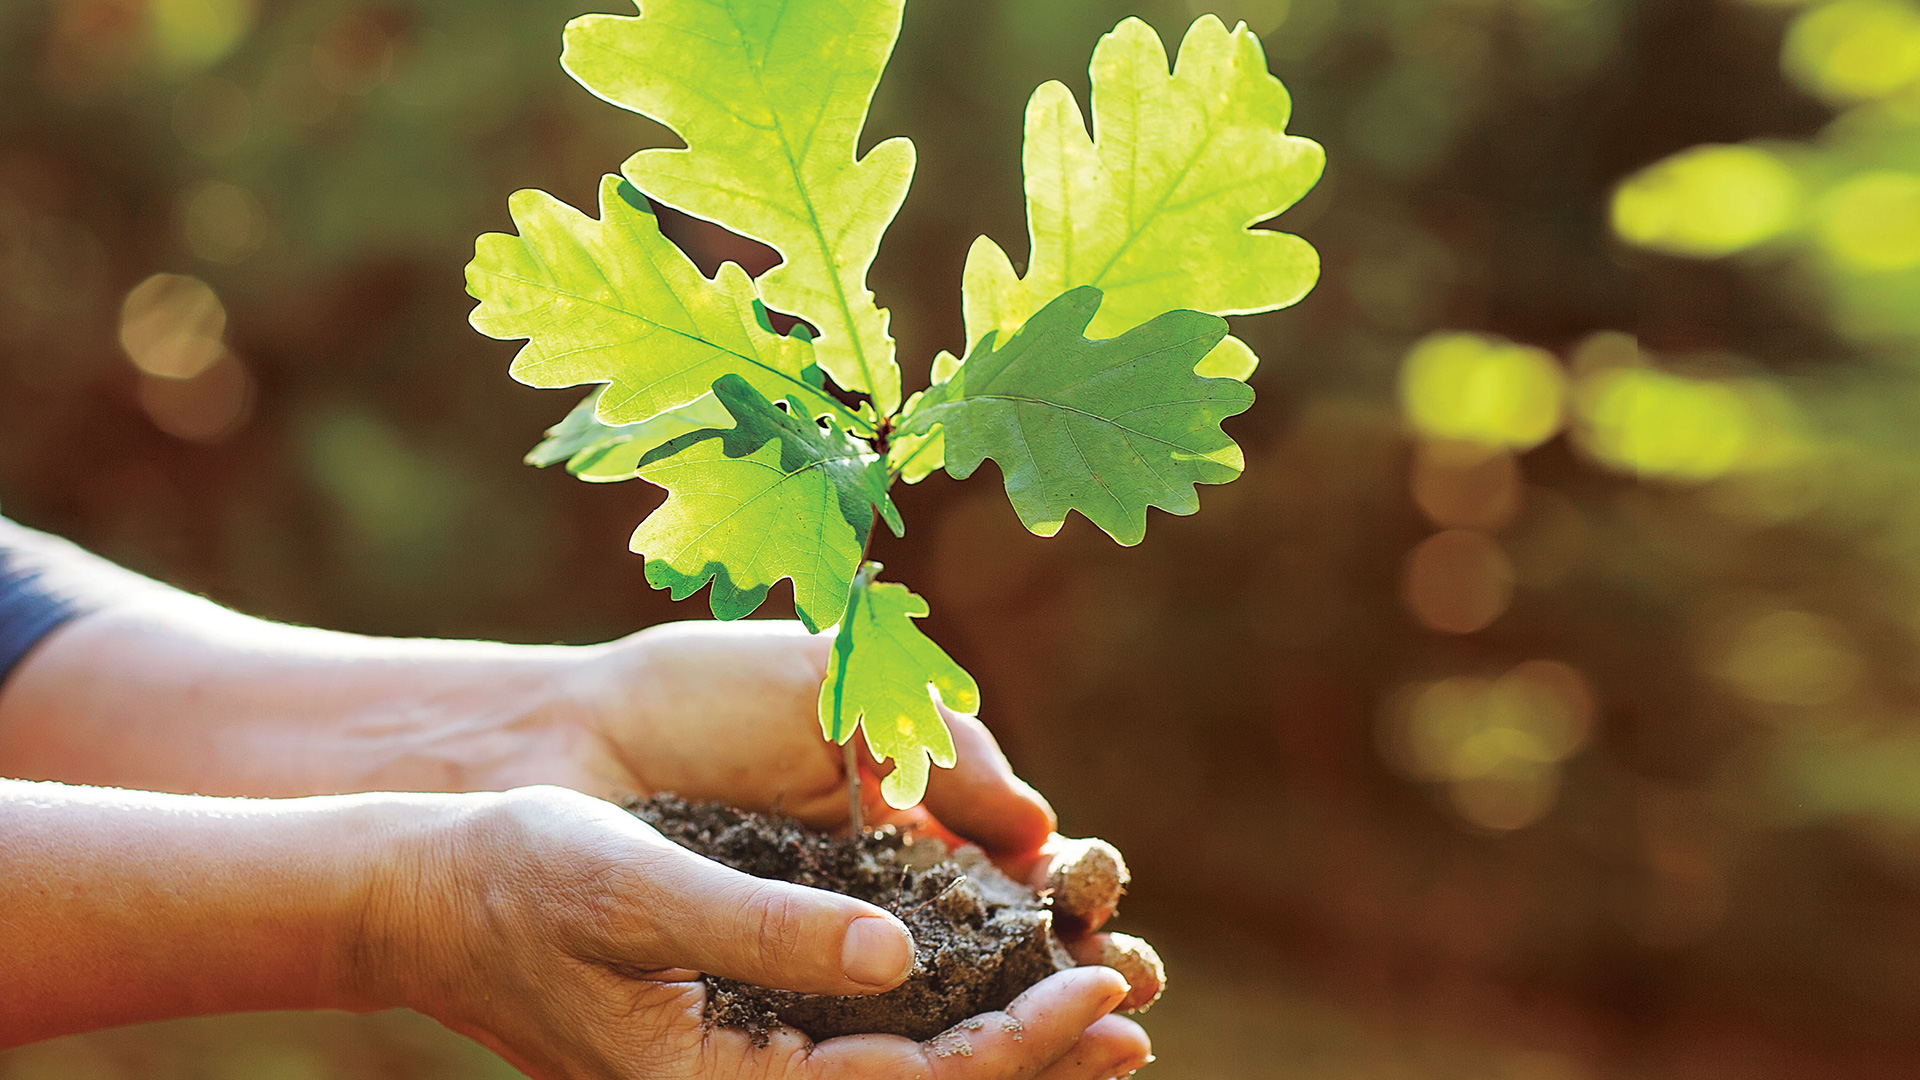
(857, 825)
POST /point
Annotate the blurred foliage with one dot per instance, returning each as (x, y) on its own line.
(1543, 703)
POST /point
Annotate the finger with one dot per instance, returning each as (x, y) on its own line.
(1113, 1046)
(1134, 959)
(680, 910)
(1086, 879)
(981, 799)
(1018, 1043)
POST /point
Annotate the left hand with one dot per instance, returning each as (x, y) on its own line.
(726, 712)
(565, 934)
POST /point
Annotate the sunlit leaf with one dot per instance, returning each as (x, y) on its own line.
(770, 99)
(1157, 209)
(598, 453)
(613, 301)
(776, 496)
(1107, 428)
(886, 676)
(913, 458)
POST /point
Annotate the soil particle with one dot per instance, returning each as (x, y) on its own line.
(1137, 960)
(980, 938)
(1087, 880)
(951, 1043)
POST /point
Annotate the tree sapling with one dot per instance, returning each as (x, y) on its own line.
(1097, 381)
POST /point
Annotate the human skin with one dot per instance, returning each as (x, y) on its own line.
(549, 925)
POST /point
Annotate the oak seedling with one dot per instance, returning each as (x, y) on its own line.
(1096, 381)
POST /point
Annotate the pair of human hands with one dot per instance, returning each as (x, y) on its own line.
(566, 934)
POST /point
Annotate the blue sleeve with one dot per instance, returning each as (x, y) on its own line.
(40, 591)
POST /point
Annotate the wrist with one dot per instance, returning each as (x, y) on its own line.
(395, 934)
(475, 717)
(231, 705)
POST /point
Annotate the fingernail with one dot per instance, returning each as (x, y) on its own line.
(875, 952)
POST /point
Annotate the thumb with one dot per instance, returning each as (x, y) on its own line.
(699, 914)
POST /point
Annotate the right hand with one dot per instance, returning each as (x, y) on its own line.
(566, 934)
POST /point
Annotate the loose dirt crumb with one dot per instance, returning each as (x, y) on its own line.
(1086, 882)
(950, 1044)
(1138, 961)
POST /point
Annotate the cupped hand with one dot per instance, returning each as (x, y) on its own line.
(565, 933)
(728, 711)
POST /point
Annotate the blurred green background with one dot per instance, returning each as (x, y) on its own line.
(1543, 704)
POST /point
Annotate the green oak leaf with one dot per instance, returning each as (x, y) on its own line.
(776, 496)
(883, 676)
(1157, 210)
(1107, 428)
(770, 98)
(603, 453)
(613, 301)
(913, 458)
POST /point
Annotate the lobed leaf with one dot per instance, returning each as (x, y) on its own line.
(913, 458)
(770, 98)
(1157, 209)
(776, 496)
(889, 678)
(1107, 428)
(611, 300)
(601, 453)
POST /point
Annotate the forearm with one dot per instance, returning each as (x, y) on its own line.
(168, 692)
(121, 907)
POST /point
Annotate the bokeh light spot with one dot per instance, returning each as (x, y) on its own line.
(1872, 221)
(193, 35)
(1512, 799)
(1854, 50)
(1497, 743)
(1654, 423)
(1458, 581)
(1551, 699)
(170, 326)
(1785, 657)
(1540, 711)
(1707, 201)
(1482, 389)
(1462, 485)
(204, 409)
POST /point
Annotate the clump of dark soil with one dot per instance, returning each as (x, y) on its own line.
(981, 938)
